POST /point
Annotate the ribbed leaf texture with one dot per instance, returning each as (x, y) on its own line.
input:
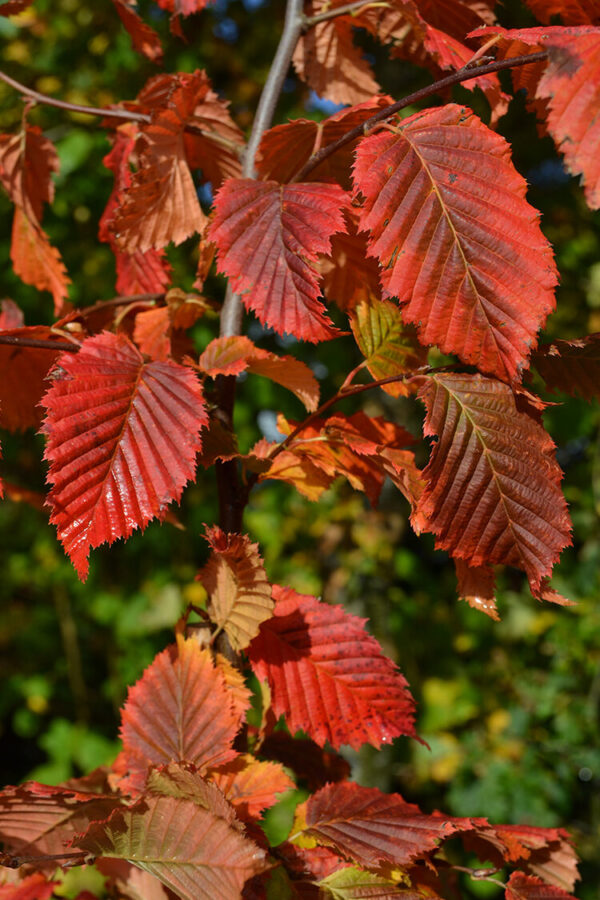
(237, 586)
(192, 851)
(328, 676)
(570, 84)
(350, 276)
(310, 762)
(36, 261)
(527, 887)
(268, 238)
(371, 828)
(476, 586)
(571, 12)
(232, 355)
(388, 345)
(152, 332)
(571, 366)
(350, 883)
(493, 485)
(179, 711)
(251, 786)
(38, 820)
(457, 241)
(122, 441)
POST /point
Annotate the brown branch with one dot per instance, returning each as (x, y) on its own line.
(465, 74)
(348, 9)
(125, 115)
(38, 343)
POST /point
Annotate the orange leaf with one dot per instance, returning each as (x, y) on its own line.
(36, 261)
(179, 711)
(236, 582)
(476, 585)
(31, 887)
(27, 161)
(251, 786)
(151, 332)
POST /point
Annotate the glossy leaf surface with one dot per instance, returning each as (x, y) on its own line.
(122, 441)
(493, 485)
(328, 676)
(458, 243)
(268, 238)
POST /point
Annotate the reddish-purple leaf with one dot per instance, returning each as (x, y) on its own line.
(328, 676)
(122, 440)
(476, 586)
(192, 851)
(268, 238)
(310, 762)
(493, 485)
(179, 711)
(457, 241)
(371, 828)
(527, 887)
(144, 39)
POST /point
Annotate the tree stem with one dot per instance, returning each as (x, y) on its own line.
(348, 9)
(464, 74)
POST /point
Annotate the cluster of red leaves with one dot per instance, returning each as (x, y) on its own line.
(419, 230)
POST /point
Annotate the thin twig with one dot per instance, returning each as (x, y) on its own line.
(456, 78)
(38, 343)
(125, 115)
(348, 9)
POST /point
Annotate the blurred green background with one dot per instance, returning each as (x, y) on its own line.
(509, 709)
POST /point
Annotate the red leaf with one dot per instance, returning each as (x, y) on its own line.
(526, 887)
(351, 276)
(329, 61)
(448, 221)
(183, 7)
(38, 820)
(179, 711)
(32, 887)
(328, 676)
(27, 161)
(192, 851)
(251, 786)
(372, 828)
(284, 149)
(23, 372)
(152, 332)
(493, 486)
(236, 582)
(122, 440)
(184, 782)
(572, 12)
(571, 366)
(232, 355)
(268, 237)
(570, 84)
(144, 39)
(476, 585)
(36, 261)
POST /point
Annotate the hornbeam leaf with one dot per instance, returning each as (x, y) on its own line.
(572, 12)
(151, 332)
(193, 852)
(571, 366)
(179, 711)
(237, 585)
(328, 60)
(528, 887)
(476, 586)
(328, 676)
(388, 345)
(355, 884)
(23, 372)
(27, 161)
(350, 276)
(144, 39)
(251, 786)
(493, 485)
(371, 828)
(570, 86)
(458, 243)
(232, 355)
(268, 238)
(122, 440)
(38, 820)
(36, 261)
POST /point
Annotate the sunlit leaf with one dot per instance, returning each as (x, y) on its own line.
(251, 786)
